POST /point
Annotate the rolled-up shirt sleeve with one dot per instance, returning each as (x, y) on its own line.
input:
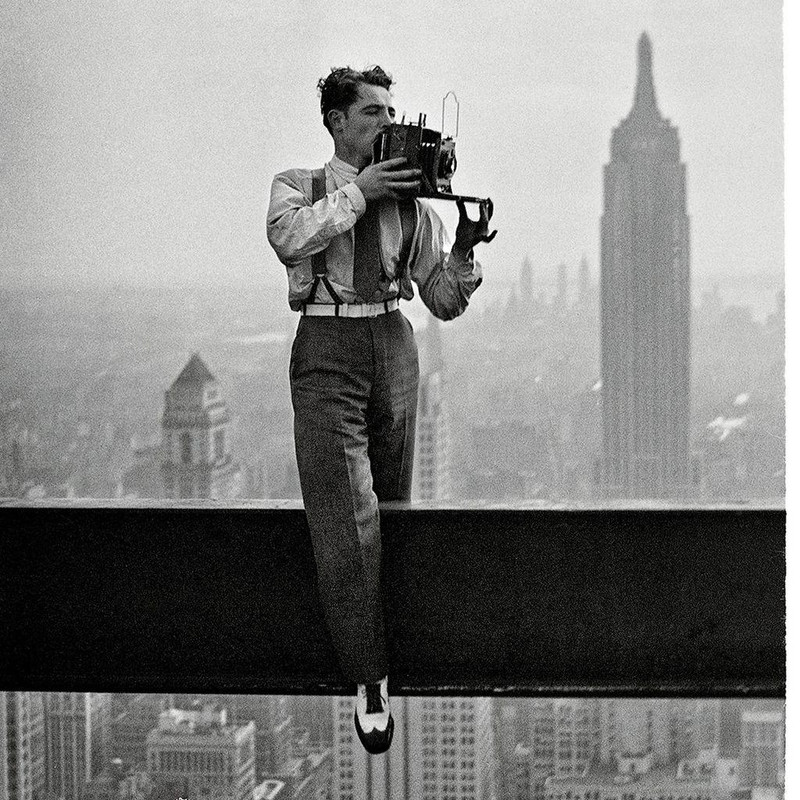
(296, 228)
(445, 281)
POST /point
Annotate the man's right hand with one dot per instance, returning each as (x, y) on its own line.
(385, 179)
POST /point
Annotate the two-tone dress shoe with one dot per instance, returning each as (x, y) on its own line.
(373, 717)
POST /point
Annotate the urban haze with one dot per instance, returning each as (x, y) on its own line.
(138, 152)
(138, 144)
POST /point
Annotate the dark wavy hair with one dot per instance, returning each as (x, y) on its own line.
(340, 89)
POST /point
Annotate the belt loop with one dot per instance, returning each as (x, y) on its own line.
(386, 306)
(337, 309)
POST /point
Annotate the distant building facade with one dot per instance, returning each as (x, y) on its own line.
(196, 427)
(77, 739)
(131, 727)
(198, 755)
(443, 747)
(645, 303)
(22, 775)
(761, 757)
(431, 479)
(274, 727)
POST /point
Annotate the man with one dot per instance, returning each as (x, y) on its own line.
(352, 242)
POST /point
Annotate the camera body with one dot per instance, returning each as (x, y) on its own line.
(427, 150)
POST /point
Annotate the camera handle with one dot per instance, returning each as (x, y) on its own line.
(456, 197)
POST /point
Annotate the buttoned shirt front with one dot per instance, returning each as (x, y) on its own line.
(298, 228)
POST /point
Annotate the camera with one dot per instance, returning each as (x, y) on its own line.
(427, 150)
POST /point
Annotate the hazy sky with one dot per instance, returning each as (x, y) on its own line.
(139, 139)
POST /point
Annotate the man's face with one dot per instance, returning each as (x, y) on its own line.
(360, 125)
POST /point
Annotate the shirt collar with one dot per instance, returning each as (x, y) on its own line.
(342, 169)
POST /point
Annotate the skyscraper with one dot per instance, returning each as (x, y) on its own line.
(645, 302)
(443, 747)
(274, 727)
(197, 754)
(584, 288)
(358, 776)
(636, 728)
(431, 479)
(5, 750)
(130, 728)
(21, 746)
(196, 445)
(575, 735)
(526, 280)
(761, 757)
(77, 732)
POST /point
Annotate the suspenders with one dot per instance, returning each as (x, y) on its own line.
(319, 266)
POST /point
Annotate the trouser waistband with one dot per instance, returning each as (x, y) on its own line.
(350, 309)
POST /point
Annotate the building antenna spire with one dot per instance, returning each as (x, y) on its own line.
(644, 103)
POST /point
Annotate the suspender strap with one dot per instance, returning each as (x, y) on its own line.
(319, 266)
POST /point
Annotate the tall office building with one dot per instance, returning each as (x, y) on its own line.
(645, 303)
(761, 756)
(526, 280)
(196, 443)
(271, 714)
(21, 746)
(638, 782)
(636, 727)
(274, 727)
(131, 727)
(77, 738)
(575, 731)
(509, 733)
(12, 436)
(528, 780)
(705, 723)
(431, 480)
(198, 755)
(584, 283)
(5, 750)
(563, 736)
(358, 776)
(442, 748)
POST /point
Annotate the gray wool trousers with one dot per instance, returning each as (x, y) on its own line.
(354, 388)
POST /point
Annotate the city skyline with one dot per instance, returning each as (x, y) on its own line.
(83, 394)
(84, 377)
(246, 747)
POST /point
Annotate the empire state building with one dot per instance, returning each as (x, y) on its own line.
(645, 303)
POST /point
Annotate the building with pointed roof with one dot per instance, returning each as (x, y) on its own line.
(645, 303)
(196, 457)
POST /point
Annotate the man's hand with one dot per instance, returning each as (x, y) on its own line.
(469, 232)
(386, 180)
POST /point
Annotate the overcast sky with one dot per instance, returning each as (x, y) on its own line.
(139, 138)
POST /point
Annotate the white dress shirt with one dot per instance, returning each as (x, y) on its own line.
(297, 229)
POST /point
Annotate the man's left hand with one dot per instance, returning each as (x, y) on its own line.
(469, 232)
